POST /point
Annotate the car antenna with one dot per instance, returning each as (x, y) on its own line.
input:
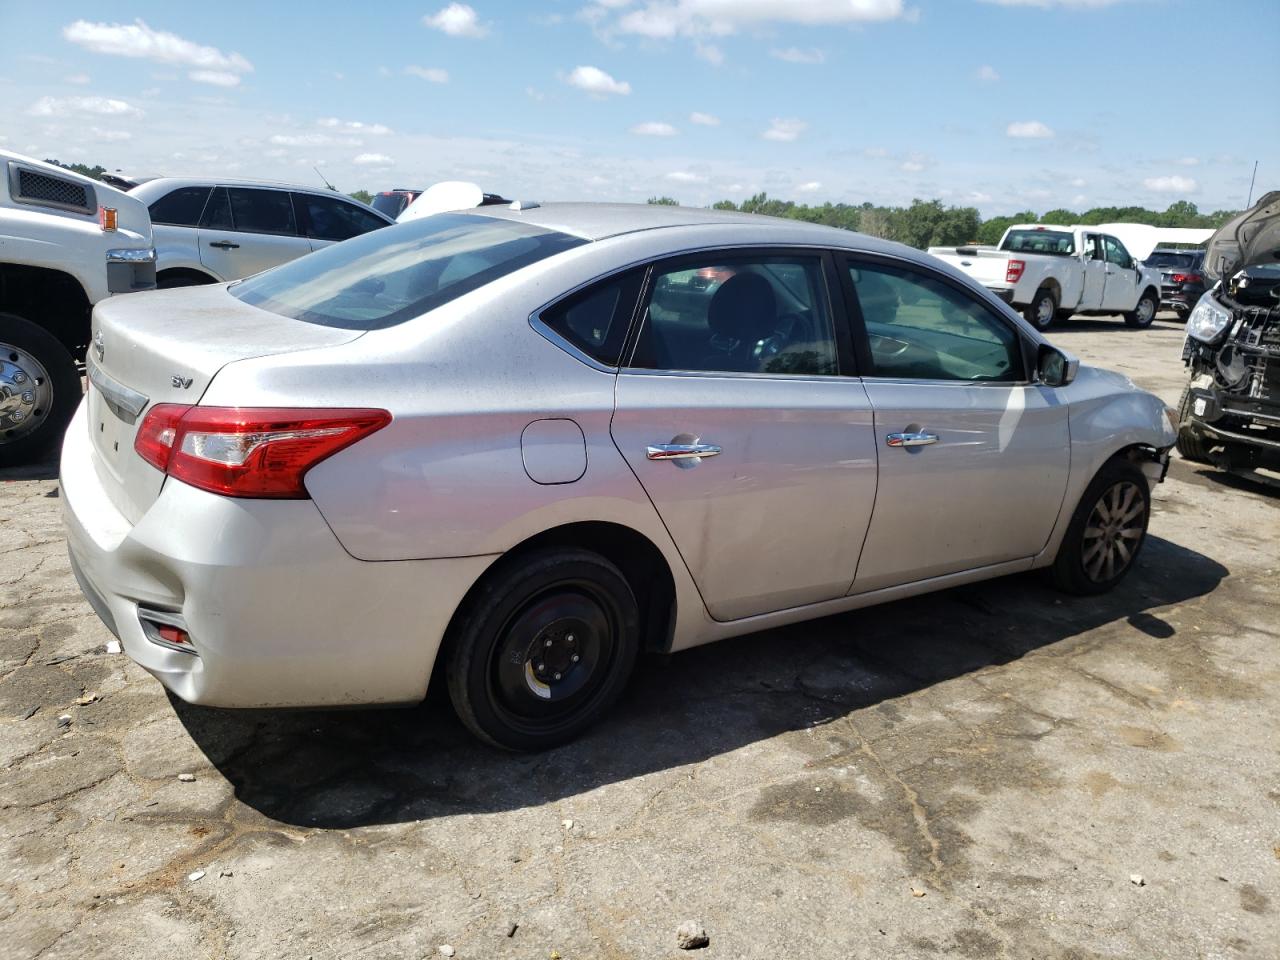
(323, 180)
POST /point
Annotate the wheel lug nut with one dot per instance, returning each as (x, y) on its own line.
(569, 638)
(19, 378)
(540, 667)
(557, 676)
(575, 658)
(548, 643)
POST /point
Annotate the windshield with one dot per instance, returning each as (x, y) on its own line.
(1039, 241)
(388, 276)
(390, 203)
(1168, 259)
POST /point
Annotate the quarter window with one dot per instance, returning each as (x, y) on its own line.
(734, 314)
(261, 211)
(595, 320)
(922, 328)
(329, 218)
(181, 207)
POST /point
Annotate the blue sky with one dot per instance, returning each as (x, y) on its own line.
(1001, 104)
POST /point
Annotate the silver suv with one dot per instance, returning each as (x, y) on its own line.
(211, 230)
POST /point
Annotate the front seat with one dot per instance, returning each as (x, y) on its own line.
(741, 314)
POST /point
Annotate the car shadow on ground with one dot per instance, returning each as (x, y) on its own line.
(340, 769)
(45, 468)
(1083, 324)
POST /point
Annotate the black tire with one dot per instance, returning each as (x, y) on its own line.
(1144, 312)
(1042, 309)
(1120, 486)
(1191, 445)
(542, 648)
(49, 378)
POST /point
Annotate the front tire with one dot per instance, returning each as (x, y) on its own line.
(1144, 313)
(1042, 308)
(39, 389)
(1191, 445)
(1106, 532)
(543, 648)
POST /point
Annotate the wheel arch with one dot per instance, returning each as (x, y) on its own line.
(197, 276)
(53, 300)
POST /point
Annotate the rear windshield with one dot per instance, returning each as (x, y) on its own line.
(1039, 241)
(1168, 259)
(388, 276)
(390, 204)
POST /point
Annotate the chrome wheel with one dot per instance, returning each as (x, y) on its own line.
(1114, 531)
(26, 393)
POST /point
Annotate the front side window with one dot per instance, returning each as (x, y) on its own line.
(181, 207)
(1039, 241)
(1093, 246)
(389, 276)
(1116, 253)
(261, 211)
(329, 218)
(922, 328)
(736, 314)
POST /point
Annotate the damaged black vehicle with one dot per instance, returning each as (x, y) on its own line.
(1230, 411)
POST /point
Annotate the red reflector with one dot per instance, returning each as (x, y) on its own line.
(1013, 273)
(249, 452)
(172, 634)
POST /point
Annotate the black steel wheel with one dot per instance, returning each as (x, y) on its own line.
(542, 648)
(1107, 530)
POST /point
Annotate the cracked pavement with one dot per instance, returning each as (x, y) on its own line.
(973, 774)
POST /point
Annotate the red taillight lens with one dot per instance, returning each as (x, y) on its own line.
(1186, 278)
(249, 452)
(1013, 273)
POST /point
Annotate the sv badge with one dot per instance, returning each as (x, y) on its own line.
(181, 382)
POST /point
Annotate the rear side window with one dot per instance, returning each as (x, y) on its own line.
(389, 276)
(329, 218)
(595, 320)
(261, 211)
(181, 207)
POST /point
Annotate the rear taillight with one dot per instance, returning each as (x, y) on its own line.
(1186, 278)
(245, 451)
(1013, 273)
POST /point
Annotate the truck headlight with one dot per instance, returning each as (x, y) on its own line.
(1207, 320)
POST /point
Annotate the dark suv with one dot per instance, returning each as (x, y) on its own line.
(391, 203)
(1181, 278)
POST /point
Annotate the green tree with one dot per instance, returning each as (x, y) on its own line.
(364, 196)
(1060, 216)
(96, 171)
(724, 205)
(664, 202)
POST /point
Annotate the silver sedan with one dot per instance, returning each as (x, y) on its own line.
(523, 445)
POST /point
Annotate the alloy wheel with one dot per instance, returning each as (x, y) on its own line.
(1114, 531)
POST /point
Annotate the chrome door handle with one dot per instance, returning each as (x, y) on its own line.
(910, 439)
(681, 451)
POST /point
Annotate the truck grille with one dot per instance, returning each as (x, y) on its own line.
(32, 186)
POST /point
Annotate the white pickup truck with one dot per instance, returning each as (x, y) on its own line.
(66, 242)
(1050, 271)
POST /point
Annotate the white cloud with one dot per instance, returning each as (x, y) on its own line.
(533, 93)
(457, 20)
(813, 186)
(596, 82)
(111, 136)
(704, 119)
(80, 79)
(683, 176)
(1170, 184)
(303, 139)
(876, 153)
(430, 74)
(977, 196)
(654, 128)
(796, 55)
(1077, 182)
(709, 52)
(912, 165)
(1184, 161)
(668, 18)
(65, 106)
(1028, 130)
(1046, 4)
(784, 130)
(988, 73)
(218, 78)
(139, 40)
(373, 160)
(354, 126)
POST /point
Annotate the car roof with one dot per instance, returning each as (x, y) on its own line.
(599, 221)
(171, 182)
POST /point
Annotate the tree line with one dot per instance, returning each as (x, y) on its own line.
(928, 223)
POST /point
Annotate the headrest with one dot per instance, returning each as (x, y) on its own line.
(743, 308)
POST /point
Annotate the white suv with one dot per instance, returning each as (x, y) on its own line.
(211, 230)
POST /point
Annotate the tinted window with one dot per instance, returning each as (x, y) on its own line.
(261, 211)
(181, 207)
(388, 276)
(329, 218)
(922, 328)
(739, 315)
(595, 320)
(390, 203)
(1116, 253)
(1183, 261)
(1039, 241)
(217, 212)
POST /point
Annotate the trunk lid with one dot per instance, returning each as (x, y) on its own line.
(1246, 240)
(166, 346)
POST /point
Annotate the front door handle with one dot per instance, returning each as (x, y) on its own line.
(910, 439)
(681, 451)
(225, 245)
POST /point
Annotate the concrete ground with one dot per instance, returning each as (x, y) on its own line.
(997, 770)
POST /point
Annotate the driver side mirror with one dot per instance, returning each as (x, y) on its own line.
(1055, 368)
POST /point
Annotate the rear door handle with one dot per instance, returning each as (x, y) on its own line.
(224, 245)
(681, 451)
(910, 439)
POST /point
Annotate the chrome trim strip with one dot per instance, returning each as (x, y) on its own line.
(124, 403)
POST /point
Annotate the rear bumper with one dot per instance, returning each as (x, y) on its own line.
(1004, 293)
(278, 613)
(1182, 300)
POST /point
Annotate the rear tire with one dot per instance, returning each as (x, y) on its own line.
(39, 389)
(1144, 313)
(1042, 308)
(542, 648)
(1106, 532)
(1191, 445)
